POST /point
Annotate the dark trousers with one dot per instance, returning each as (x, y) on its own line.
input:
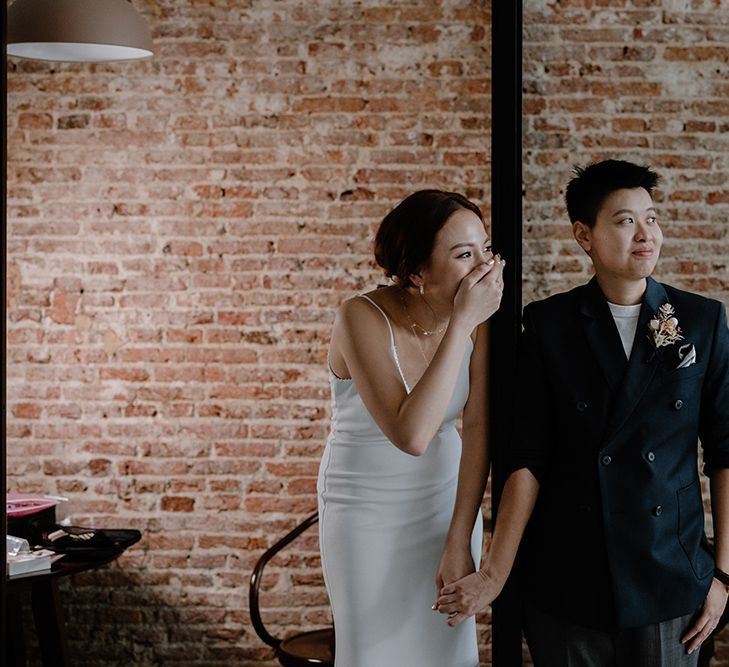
(554, 642)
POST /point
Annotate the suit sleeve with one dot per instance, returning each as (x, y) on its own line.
(714, 416)
(532, 432)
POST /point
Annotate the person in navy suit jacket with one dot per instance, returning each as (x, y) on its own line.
(619, 379)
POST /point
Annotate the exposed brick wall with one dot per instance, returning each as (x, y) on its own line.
(181, 231)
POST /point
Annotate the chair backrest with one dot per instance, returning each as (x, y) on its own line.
(257, 575)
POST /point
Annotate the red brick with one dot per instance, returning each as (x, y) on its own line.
(177, 504)
(74, 121)
(186, 248)
(126, 374)
(35, 121)
(184, 335)
(697, 53)
(718, 197)
(26, 410)
(329, 104)
(266, 504)
(220, 502)
(302, 487)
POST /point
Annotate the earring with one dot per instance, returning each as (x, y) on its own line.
(422, 290)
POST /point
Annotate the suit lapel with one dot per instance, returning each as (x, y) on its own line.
(643, 360)
(602, 335)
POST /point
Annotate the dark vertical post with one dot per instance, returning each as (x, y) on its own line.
(49, 623)
(3, 267)
(506, 214)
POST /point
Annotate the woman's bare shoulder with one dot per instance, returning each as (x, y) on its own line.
(359, 304)
(359, 323)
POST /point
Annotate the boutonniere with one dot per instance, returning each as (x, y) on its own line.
(664, 329)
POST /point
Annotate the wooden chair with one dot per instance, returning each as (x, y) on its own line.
(315, 647)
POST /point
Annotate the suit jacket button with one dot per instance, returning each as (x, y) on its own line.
(657, 510)
(651, 456)
(582, 406)
(606, 460)
(678, 404)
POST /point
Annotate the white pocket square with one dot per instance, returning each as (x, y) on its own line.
(686, 355)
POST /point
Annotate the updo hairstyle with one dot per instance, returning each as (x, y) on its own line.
(406, 235)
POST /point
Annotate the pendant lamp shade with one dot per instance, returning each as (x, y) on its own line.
(77, 31)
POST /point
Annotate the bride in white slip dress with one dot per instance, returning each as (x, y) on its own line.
(399, 501)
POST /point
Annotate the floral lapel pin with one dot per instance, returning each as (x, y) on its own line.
(664, 331)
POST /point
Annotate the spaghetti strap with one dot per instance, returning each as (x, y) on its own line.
(393, 347)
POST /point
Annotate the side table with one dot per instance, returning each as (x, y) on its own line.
(47, 611)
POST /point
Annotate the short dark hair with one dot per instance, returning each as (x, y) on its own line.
(406, 235)
(587, 191)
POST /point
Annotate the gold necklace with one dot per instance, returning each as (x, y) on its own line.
(414, 326)
(422, 351)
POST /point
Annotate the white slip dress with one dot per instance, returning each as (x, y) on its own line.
(383, 520)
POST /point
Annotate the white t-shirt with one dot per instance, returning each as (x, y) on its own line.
(626, 319)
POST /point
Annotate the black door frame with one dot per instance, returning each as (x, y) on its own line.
(506, 226)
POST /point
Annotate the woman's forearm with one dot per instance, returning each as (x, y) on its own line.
(472, 476)
(475, 461)
(516, 507)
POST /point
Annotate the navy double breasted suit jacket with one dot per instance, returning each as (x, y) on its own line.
(617, 536)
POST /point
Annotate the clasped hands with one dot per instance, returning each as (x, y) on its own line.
(467, 596)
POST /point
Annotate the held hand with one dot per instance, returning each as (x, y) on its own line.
(708, 619)
(479, 294)
(468, 596)
(455, 563)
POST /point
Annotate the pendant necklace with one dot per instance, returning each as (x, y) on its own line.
(415, 327)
